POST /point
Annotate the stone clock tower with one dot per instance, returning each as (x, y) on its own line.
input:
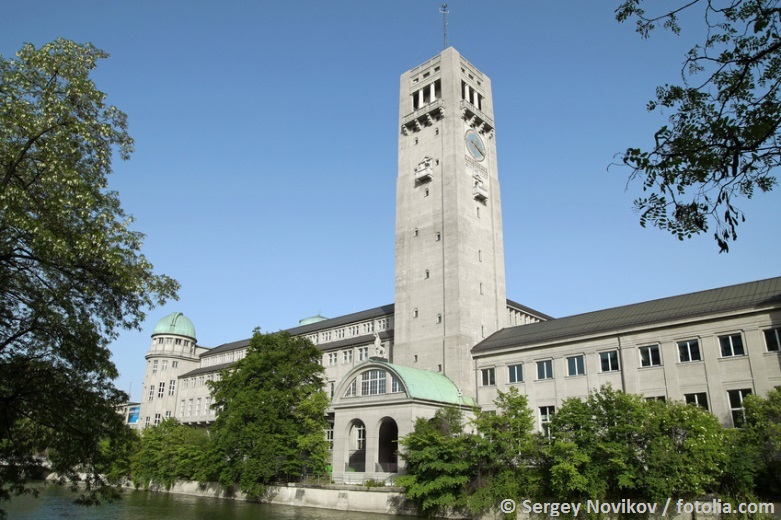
(450, 281)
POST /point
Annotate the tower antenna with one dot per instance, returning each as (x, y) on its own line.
(444, 11)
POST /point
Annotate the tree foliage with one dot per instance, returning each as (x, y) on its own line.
(272, 414)
(71, 274)
(506, 453)
(763, 431)
(439, 465)
(722, 140)
(614, 445)
(169, 452)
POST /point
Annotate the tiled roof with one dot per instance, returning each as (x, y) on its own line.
(686, 306)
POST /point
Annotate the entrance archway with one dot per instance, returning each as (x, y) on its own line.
(388, 446)
(356, 450)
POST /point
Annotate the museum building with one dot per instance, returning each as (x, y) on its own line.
(452, 338)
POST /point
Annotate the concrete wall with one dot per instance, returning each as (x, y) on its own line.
(344, 498)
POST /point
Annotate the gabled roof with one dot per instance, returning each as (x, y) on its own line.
(686, 306)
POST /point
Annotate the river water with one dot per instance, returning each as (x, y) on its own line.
(55, 503)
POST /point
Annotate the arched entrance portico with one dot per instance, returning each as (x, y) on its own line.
(374, 405)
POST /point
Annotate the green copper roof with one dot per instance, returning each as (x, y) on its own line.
(313, 319)
(427, 385)
(176, 323)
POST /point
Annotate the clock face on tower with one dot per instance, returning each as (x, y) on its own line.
(475, 145)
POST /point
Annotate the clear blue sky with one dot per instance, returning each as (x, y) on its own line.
(266, 139)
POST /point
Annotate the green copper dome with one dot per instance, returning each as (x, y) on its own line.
(313, 319)
(176, 323)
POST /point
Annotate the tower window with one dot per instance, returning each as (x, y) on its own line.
(428, 274)
(438, 236)
(425, 192)
(415, 313)
(439, 318)
(416, 140)
(415, 232)
(436, 132)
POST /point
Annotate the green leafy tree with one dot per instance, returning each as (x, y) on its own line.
(595, 447)
(169, 452)
(684, 451)
(722, 140)
(71, 272)
(439, 463)
(507, 453)
(763, 431)
(271, 418)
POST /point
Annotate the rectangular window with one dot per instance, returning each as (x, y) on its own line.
(700, 399)
(396, 385)
(731, 345)
(650, 356)
(189, 407)
(181, 408)
(329, 437)
(161, 389)
(174, 364)
(546, 414)
(516, 373)
(689, 350)
(157, 419)
(168, 414)
(736, 398)
(488, 376)
(373, 382)
(146, 422)
(207, 405)
(198, 406)
(151, 392)
(576, 366)
(363, 353)
(545, 369)
(172, 387)
(347, 356)
(164, 365)
(609, 361)
(201, 379)
(773, 339)
(333, 359)
(154, 366)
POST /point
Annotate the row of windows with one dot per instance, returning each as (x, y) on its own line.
(187, 405)
(332, 358)
(163, 365)
(360, 329)
(173, 341)
(225, 357)
(161, 389)
(158, 418)
(730, 345)
(735, 397)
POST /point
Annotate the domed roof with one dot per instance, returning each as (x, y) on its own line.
(313, 319)
(176, 323)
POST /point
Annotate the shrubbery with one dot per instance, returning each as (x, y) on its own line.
(609, 446)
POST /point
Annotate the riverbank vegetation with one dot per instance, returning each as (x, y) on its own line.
(269, 427)
(609, 446)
